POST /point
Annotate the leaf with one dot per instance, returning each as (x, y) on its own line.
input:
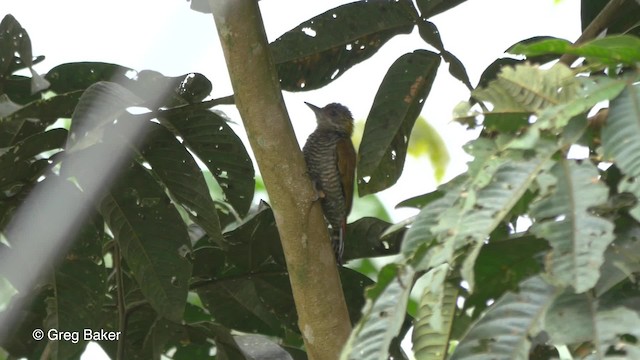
(421, 233)
(180, 174)
(35, 117)
(322, 48)
(503, 333)
(429, 342)
(153, 240)
(236, 302)
(610, 50)
(429, 8)
(527, 88)
(491, 194)
(430, 34)
(18, 340)
(18, 166)
(420, 201)
(354, 285)
(457, 69)
(255, 243)
(76, 76)
(382, 315)
(621, 259)
(593, 91)
(394, 111)
(79, 284)
(363, 239)
(613, 328)
(425, 140)
(209, 137)
(571, 318)
(619, 143)
(501, 266)
(98, 106)
(578, 238)
(154, 88)
(14, 39)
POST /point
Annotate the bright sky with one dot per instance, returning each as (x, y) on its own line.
(166, 36)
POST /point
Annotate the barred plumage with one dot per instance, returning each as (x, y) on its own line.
(330, 159)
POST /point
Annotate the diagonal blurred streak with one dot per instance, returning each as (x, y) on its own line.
(44, 227)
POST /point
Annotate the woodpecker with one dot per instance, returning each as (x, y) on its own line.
(331, 163)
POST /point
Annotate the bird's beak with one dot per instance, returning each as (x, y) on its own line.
(313, 107)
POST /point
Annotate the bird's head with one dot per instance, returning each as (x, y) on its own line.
(335, 117)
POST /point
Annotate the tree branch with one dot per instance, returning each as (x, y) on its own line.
(322, 312)
(596, 26)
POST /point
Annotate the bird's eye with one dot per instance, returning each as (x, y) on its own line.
(333, 113)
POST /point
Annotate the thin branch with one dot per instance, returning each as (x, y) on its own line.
(604, 18)
(122, 313)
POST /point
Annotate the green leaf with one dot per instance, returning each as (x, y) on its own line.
(79, 284)
(430, 34)
(619, 137)
(571, 318)
(322, 48)
(621, 259)
(18, 340)
(153, 239)
(527, 88)
(503, 333)
(179, 173)
(420, 201)
(457, 69)
(382, 315)
(429, 342)
(501, 266)
(14, 39)
(255, 243)
(35, 117)
(75, 76)
(363, 239)
(493, 191)
(156, 89)
(236, 302)
(97, 108)
(209, 137)
(610, 50)
(429, 8)
(578, 238)
(613, 328)
(421, 233)
(425, 140)
(394, 111)
(18, 166)
(593, 91)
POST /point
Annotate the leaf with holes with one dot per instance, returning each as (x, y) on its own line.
(152, 237)
(179, 173)
(322, 48)
(209, 137)
(394, 111)
(382, 315)
(619, 140)
(503, 332)
(577, 237)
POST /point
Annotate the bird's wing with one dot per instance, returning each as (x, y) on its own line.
(346, 155)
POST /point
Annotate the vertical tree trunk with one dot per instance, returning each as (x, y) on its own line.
(323, 317)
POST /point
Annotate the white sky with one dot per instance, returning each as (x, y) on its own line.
(166, 36)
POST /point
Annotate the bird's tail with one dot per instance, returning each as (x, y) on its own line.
(337, 241)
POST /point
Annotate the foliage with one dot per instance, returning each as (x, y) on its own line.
(181, 272)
